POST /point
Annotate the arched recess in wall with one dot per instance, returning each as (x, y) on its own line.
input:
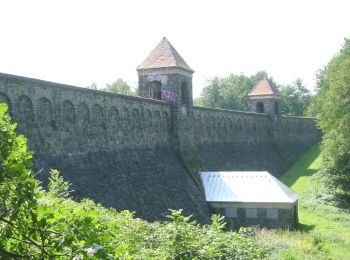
(148, 120)
(229, 124)
(218, 124)
(44, 111)
(68, 112)
(126, 119)
(136, 122)
(208, 126)
(114, 117)
(260, 107)
(199, 124)
(83, 113)
(25, 108)
(97, 115)
(157, 121)
(5, 99)
(165, 121)
(155, 90)
(184, 93)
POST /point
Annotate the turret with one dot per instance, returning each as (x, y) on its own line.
(264, 98)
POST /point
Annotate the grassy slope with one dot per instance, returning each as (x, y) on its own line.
(324, 230)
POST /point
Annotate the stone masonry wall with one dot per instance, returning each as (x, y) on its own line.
(237, 141)
(114, 149)
(142, 154)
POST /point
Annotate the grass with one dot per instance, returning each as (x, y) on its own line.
(324, 230)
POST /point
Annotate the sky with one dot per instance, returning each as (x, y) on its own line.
(81, 42)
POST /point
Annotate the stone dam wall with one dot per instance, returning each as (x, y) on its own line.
(142, 154)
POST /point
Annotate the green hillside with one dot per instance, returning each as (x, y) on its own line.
(324, 230)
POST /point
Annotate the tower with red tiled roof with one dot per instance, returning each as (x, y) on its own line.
(164, 75)
(264, 98)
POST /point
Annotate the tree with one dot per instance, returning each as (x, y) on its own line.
(296, 98)
(333, 104)
(119, 86)
(229, 92)
(92, 86)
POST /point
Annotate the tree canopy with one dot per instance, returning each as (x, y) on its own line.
(229, 92)
(295, 97)
(333, 104)
(119, 86)
(232, 93)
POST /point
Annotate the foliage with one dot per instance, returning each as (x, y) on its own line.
(58, 187)
(120, 86)
(92, 86)
(333, 102)
(295, 98)
(229, 92)
(232, 93)
(37, 224)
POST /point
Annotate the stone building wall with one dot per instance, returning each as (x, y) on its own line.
(142, 154)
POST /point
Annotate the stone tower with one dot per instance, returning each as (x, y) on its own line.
(264, 98)
(164, 75)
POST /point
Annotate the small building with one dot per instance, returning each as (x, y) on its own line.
(250, 198)
(264, 98)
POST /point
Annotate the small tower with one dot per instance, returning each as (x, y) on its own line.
(164, 75)
(264, 98)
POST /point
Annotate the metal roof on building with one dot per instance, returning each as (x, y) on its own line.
(245, 187)
(164, 55)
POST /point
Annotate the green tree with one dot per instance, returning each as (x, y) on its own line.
(120, 86)
(229, 92)
(92, 86)
(333, 104)
(296, 98)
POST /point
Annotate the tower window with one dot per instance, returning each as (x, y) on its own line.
(259, 107)
(155, 90)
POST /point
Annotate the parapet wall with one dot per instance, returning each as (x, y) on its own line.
(136, 153)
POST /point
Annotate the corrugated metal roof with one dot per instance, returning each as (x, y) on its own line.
(255, 187)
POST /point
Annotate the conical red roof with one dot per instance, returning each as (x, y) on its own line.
(263, 88)
(164, 55)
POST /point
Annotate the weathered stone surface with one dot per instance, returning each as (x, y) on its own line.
(141, 154)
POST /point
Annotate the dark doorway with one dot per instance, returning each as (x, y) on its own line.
(259, 107)
(156, 90)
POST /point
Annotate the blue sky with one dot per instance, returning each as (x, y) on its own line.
(80, 42)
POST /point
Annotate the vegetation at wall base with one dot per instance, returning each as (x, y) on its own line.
(39, 224)
(324, 228)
